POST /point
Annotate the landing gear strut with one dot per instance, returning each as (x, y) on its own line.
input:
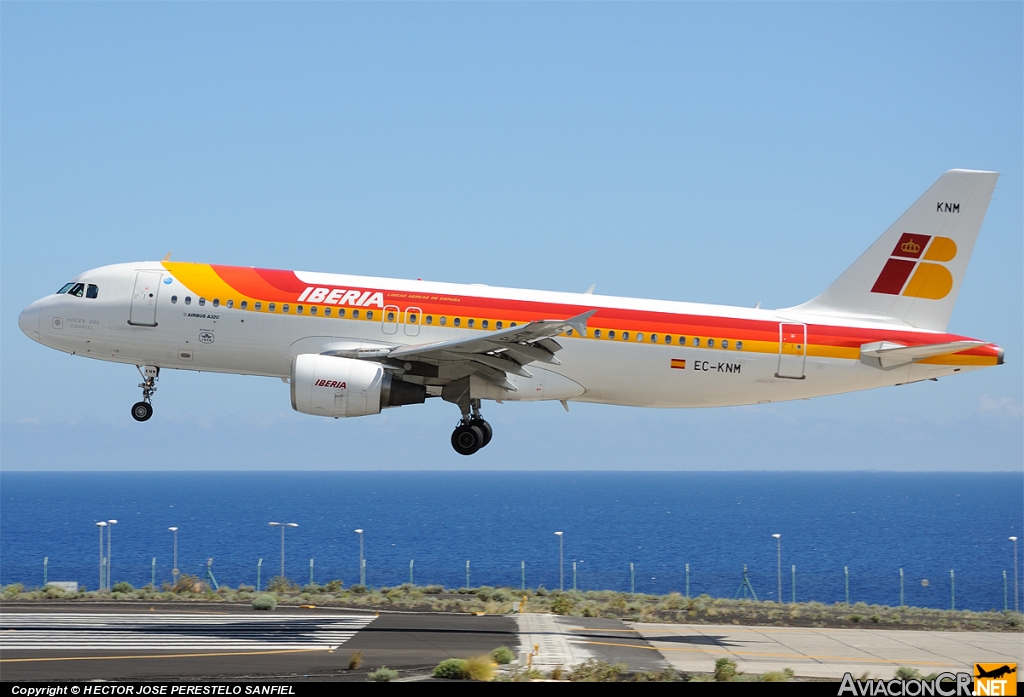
(141, 411)
(472, 432)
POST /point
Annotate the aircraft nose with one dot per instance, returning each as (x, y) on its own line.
(28, 321)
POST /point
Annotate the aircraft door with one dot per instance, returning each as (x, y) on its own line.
(144, 297)
(390, 318)
(413, 319)
(792, 350)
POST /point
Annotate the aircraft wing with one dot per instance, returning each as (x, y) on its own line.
(492, 355)
(886, 354)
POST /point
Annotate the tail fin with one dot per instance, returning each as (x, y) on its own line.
(912, 273)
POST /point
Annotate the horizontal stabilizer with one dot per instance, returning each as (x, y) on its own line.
(886, 354)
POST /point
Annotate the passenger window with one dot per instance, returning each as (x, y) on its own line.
(341, 312)
(725, 343)
(216, 302)
(625, 336)
(244, 305)
(457, 322)
(444, 321)
(472, 322)
(597, 333)
(327, 312)
(413, 318)
(430, 319)
(231, 303)
(391, 317)
(174, 299)
(92, 291)
(369, 314)
(639, 337)
(654, 338)
(696, 341)
(272, 307)
(498, 324)
(312, 310)
(65, 288)
(512, 324)
(188, 299)
(668, 339)
(611, 334)
(258, 306)
(77, 290)
(202, 301)
(298, 309)
(711, 343)
(682, 341)
(284, 308)
(355, 314)
(485, 323)
(739, 345)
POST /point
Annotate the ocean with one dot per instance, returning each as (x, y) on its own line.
(622, 530)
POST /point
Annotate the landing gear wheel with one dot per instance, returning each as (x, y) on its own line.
(141, 411)
(467, 439)
(485, 428)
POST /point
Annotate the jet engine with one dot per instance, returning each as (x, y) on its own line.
(333, 386)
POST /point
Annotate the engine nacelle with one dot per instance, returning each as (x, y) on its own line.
(340, 387)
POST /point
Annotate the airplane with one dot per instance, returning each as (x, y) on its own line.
(351, 345)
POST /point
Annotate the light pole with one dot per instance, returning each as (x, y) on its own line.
(1016, 592)
(110, 530)
(101, 525)
(561, 566)
(283, 526)
(174, 569)
(362, 564)
(778, 551)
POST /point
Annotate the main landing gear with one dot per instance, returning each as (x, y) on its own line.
(472, 432)
(141, 411)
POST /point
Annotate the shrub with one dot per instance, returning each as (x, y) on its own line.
(334, 586)
(185, 583)
(593, 670)
(356, 660)
(562, 605)
(433, 590)
(480, 668)
(358, 588)
(784, 675)
(54, 592)
(265, 602)
(123, 587)
(725, 670)
(242, 588)
(13, 589)
(451, 668)
(383, 674)
(503, 655)
(907, 673)
(279, 584)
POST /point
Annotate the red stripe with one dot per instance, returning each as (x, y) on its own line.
(894, 274)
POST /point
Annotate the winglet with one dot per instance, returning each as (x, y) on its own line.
(579, 322)
(590, 290)
(167, 258)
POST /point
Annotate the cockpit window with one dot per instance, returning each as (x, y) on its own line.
(65, 288)
(77, 290)
(92, 291)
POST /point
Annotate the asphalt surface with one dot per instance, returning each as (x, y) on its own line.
(172, 642)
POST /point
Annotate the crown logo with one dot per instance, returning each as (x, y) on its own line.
(910, 247)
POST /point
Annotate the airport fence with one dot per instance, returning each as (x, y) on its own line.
(943, 590)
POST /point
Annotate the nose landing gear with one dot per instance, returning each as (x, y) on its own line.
(141, 411)
(472, 432)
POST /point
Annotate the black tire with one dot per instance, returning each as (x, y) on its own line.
(141, 411)
(467, 439)
(485, 428)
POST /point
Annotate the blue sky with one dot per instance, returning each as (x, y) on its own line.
(713, 152)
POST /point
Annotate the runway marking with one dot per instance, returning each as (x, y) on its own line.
(150, 631)
(157, 655)
(855, 659)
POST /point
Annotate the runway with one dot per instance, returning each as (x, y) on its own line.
(157, 631)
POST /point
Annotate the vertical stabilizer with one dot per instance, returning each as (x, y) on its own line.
(912, 273)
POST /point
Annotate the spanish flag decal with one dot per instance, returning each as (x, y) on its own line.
(679, 363)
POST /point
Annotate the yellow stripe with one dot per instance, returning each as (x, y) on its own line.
(202, 280)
